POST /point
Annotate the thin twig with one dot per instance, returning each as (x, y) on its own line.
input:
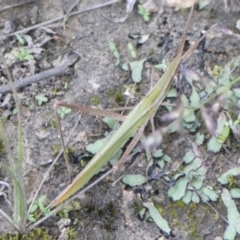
(67, 14)
(68, 201)
(62, 141)
(67, 61)
(15, 5)
(53, 163)
(62, 17)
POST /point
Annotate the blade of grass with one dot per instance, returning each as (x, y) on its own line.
(20, 204)
(9, 220)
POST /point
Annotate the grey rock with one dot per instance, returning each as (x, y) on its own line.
(9, 27)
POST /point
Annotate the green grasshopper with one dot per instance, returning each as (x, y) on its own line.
(134, 122)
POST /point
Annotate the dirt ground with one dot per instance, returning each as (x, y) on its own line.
(108, 212)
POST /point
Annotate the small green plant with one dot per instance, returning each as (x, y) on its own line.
(62, 111)
(22, 54)
(71, 234)
(20, 39)
(15, 169)
(132, 50)
(38, 205)
(41, 99)
(142, 11)
(66, 85)
(55, 149)
(36, 234)
(95, 100)
(115, 52)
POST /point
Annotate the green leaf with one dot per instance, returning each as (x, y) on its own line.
(125, 66)
(214, 145)
(15, 53)
(195, 198)
(189, 116)
(62, 111)
(159, 153)
(178, 191)
(134, 179)
(184, 100)
(31, 218)
(20, 39)
(168, 107)
(223, 179)
(197, 182)
(41, 99)
(141, 9)
(115, 52)
(236, 92)
(142, 213)
(136, 69)
(235, 193)
(157, 218)
(187, 198)
(210, 193)
(230, 233)
(225, 133)
(146, 17)
(96, 146)
(44, 209)
(233, 215)
(203, 3)
(199, 138)
(23, 51)
(224, 79)
(204, 197)
(194, 98)
(111, 123)
(28, 57)
(34, 207)
(194, 165)
(188, 157)
(41, 199)
(166, 158)
(132, 50)
(143, 38)
(161, 164)
(195, 126)
(162, 66)
(172, 93)
(113, 160)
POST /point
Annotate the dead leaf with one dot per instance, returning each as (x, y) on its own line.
(25, 111)
(178, 4)
(150, 6)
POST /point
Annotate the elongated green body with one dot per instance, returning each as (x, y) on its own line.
(135, 119)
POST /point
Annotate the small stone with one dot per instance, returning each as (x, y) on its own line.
(41, 134)
(34, 15)
(9, 27)
(6, 100)
(64, 222)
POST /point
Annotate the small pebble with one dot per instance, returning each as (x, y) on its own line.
(6, 100)
(9, 27)
(34, 15)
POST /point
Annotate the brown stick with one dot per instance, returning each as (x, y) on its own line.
(68, 60)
